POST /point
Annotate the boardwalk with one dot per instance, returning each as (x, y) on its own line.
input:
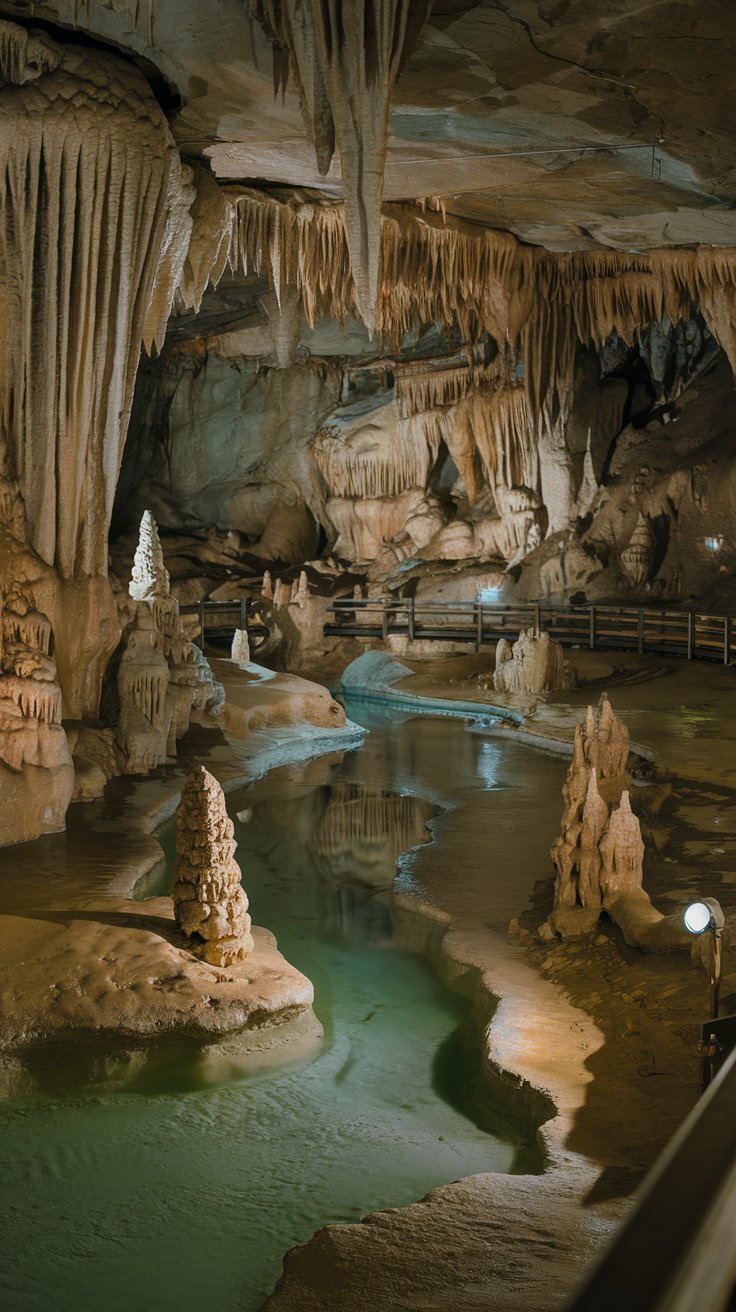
(689, 634)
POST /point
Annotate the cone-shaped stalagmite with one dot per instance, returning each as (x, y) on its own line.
(210, 906)
(149, 576)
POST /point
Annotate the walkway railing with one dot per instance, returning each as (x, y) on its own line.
(222, 617)
(690, 634)
(676, 1251)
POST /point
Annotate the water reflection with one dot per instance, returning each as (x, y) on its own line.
(345, 839)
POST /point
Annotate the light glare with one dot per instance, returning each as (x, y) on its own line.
(697, 917)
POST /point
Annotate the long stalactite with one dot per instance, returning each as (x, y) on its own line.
(344, 73)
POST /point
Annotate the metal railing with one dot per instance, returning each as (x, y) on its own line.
(676, 1251)
(690, 634)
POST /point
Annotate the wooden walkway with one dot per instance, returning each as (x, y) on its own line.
(689, 634)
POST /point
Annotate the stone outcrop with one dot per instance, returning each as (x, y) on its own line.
(210, 906)
(162, 676)
(535, 664)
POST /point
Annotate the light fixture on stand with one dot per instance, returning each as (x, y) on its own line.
(717, 1037)
(700, 917)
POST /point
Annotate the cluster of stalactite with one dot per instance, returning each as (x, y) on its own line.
(378, 471)
(469, 280)
(94, 229)
(419, 388)
(344, 72)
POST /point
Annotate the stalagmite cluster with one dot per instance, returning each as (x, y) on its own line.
(535, 664)
(599, 852)
(210, 906)
(598, 766)
(161, 676)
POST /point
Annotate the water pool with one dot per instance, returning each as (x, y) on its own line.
(169, 1196)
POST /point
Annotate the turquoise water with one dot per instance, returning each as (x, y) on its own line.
(169, 1195)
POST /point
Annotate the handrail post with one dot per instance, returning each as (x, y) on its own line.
(537, 618)
(411, 619)
(385, 619)
(640, 633)
(690, 635)
(591, 633)
(478, 625)
(244, 612)
(201, 625)
(727, 640)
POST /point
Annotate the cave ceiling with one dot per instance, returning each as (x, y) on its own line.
(574, 124)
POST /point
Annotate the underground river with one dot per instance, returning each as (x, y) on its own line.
(174, 1190)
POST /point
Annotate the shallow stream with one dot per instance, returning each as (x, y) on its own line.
(170, 1195)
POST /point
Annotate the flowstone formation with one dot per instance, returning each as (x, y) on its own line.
(599, 852)
(535, 664)
(162, 676)
(96, 227)
(36, 770)
(210, 906)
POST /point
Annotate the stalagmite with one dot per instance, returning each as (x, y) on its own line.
(281, 593)
(210, 906)
(535, 664)
(598, 855)
(162, 676)
(267, 586)
(240, 650)
(149, 576)
(36, 770)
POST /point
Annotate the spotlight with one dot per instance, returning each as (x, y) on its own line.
(700, 917)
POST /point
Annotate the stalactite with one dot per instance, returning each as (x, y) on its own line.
(378, 472)
(345, 71)
(91, 204)
(543, 305)
(420, 389)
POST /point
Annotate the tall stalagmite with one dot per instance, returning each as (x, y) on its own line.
(94, 230)
(210, 906)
